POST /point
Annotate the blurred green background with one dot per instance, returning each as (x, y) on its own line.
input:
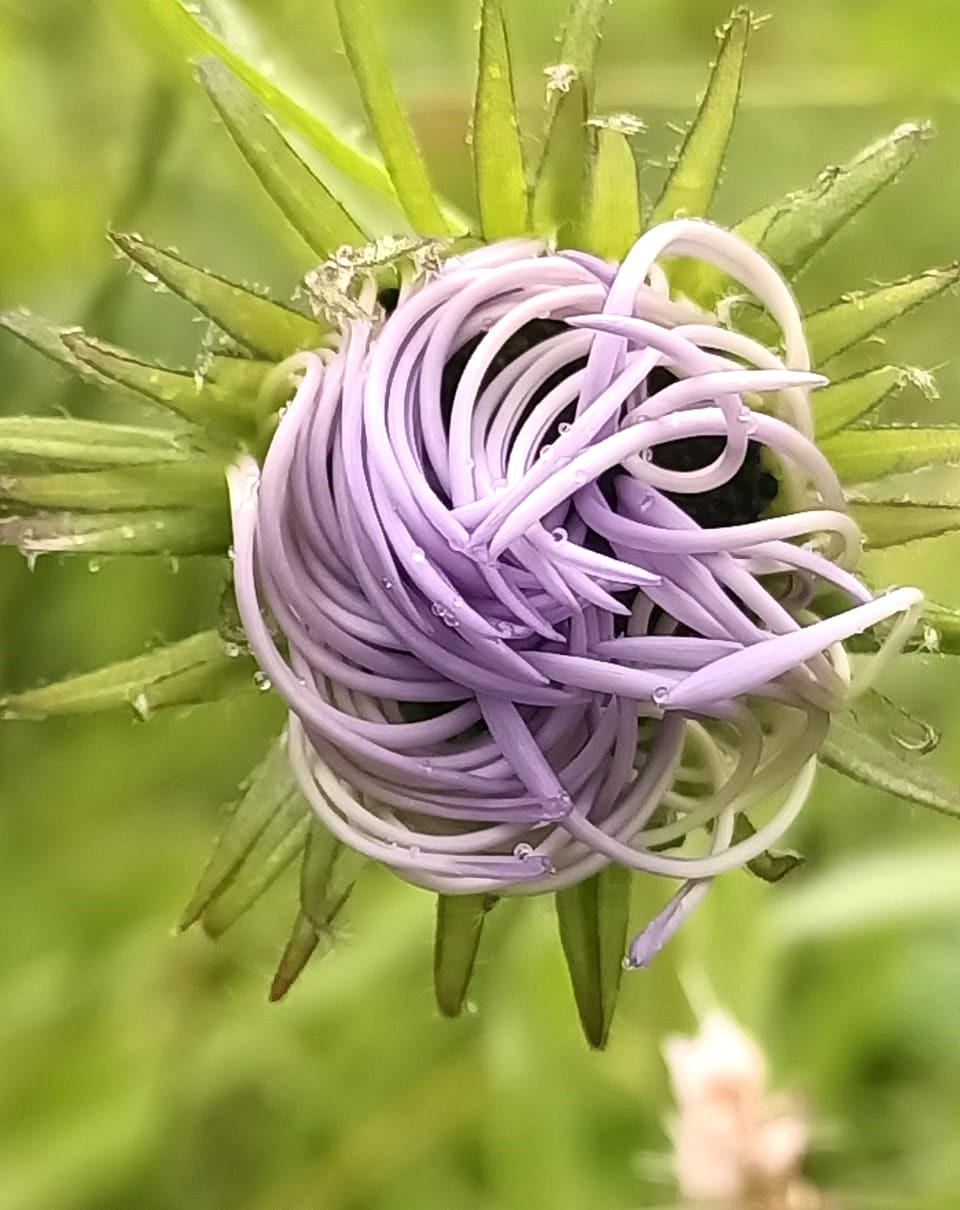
(141, 1068)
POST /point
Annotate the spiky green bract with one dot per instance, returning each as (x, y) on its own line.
(497, 151)
(456, 942)
(593, 918)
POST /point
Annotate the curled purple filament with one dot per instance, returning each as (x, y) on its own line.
(511, 654)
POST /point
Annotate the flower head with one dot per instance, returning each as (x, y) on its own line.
(539, 520)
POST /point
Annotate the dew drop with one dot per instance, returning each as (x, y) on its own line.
(262, 681)
(386, 583)
(559, 534)
(231, 650)
(415, 852)
(417, 555)
(93, 566)
(427, 765)
(141, 704)
(563, 427)
(660, 695)
(523, 852)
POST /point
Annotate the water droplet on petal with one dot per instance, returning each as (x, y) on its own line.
(559, 534)
(523, 852)
(418, 555)
(660, 695)
(262, 681)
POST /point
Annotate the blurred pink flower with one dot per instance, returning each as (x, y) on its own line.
(734, 1144)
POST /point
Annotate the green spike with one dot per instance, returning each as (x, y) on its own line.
(841, 403)
(395, 138)
(327, 875)
(269, 812)
(497, 151)
(308, 205)
(612, 220)
(170, 531)
(222, 409)
(264, 327)
(692, 183)
(193, 484)
(593, 918)
(558, 195)
(863, 455)
(886, 764)
(579, 47)
(191, 36)
(56, 441)
(48, 339)
(460, 921)
(806, 221)
(896, 522)
(201, 668)
(857, 316)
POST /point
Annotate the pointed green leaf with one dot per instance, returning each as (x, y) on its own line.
(497, 150)
(308, 205)
(221, 408)
(197, 483)
(180, 20)
(55, 441)
(456, 941)
(201, 668)
(301, 946)
(593, 918)
(772, 865)
(806, 221)
(612, 219)
(558, 196)
(262, 835)
(579, 47)
(862, 455)
(49, 340)
(262, 326)
(896, 522)
(858, 316)
(887, 765)
(692, 182)
(327, 874)
(395, 138)
(841, 403)
(169, 531)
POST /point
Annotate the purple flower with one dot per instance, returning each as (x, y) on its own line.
(511, 652)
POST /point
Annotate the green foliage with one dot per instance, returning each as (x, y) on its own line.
(593, 918)
(456, 941)
(306, 203)
(863, 455)
(612, 220)
(497, 151)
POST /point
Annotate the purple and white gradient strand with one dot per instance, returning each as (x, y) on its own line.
(408, 557)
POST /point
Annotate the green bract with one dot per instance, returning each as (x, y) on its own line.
(79, 486)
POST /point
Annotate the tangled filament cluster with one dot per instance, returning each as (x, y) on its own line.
(510, 654)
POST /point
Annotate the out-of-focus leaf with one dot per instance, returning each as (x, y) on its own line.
(692, 182)
(456, 941)
(889, 722)
(857, 316)
(201, 668)
(261, 837)
(887, 765)
(593, 918)
(497, 151)
(56, 441)
(895, 522)
(168, 531)
(612, 219)
(308, 205)
(395, 138)
(888, 889)
(841, 403)
(806, 221)
(222, 409)
(772, 865)
(181, 21)
(558, 198)
(862, 455)
(197, 483)
(260, 324)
